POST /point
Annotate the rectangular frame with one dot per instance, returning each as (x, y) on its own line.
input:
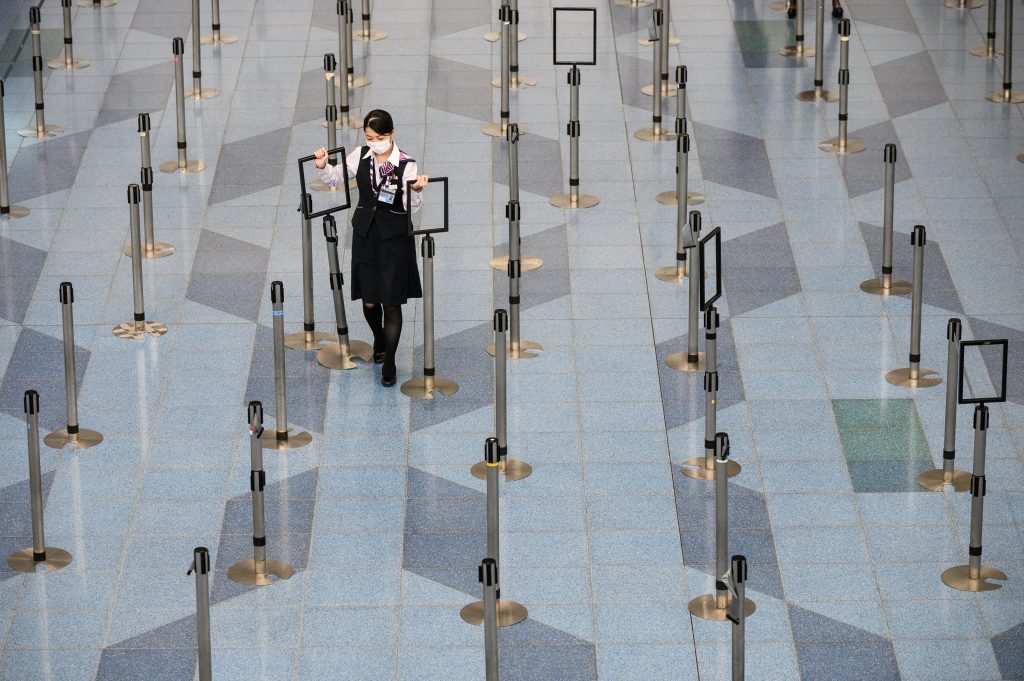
(716, 236)
(554, 36)
(408, 192)
(302, 184)
(960, 378)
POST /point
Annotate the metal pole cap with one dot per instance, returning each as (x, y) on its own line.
(917, 238)
(330, 228)
(711, 318)
(889, 153)
(306, 201)
(844, 28)
(342, 7)
(695, 219)
(31, 402)
(34, 16)
(953, 330)
(492, 452)
(505, 14)
(681, 76)
(488, 572)
(200, 561)
(427, 246)
(1, 89)
(721, 446)
(739, 569)
(978, 486)
(67, 293)
(133, 193)
(330, 63)
(684, 142)
(276, 292)
(500, 321)
(65, 3)
(178, 47)
(512, 132)
(144, 122)
(981, 417)
(255, 414)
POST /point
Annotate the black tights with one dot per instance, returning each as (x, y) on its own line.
(386, 324)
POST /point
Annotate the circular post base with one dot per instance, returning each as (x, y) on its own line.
(83, 439)
(926, 378)
(352, 122)
(834, 147)
(983, 52)
(1019, 158)
(671, 199)
(777, 6)
(816, 96)
(672, 276)
(652, 135)
(498, 129)
(49, 130)
(897, 287)
(225, 38)
(517, 83)
(667, 90)
(935, 480)
(959, 577)
(245, 572)
(60, 64)
(423, 388)
(204, 93)
(527, 350)
(102, 3)
(334, 356)
(16, 212)
(526, 264)
(680, 362)
(697, 469)
(128, 330)
(313, 341)
(509, 613)
(511, 469)
(632, 3)
(798, 51)
(25, 561)
(704, 607)
(294, 441)
(566, 201)
(1004, 97)
(963, 4)
(494, 37)
(191, 166)
(368, 37)
(159, 250)
(672, 41)
(358, 82)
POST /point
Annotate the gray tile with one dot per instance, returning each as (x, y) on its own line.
(909, 84)
(939, 289)
(307, 384)
(49, 166)
(148, 664)
(734, 160)
(236, 293)
(37, 363)
(21, 268)
(541, 155)
(865, 173)
(459, 88)
(250, 165)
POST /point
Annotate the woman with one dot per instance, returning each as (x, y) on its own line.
(384, 271)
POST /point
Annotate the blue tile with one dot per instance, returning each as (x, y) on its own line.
(326, 627)
(947, 660)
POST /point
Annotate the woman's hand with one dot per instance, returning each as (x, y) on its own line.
(320, 156)
(421, 182)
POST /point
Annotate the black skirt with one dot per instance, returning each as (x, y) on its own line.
(384, 271)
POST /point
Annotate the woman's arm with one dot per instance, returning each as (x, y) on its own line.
(333, 175)
(410, 175)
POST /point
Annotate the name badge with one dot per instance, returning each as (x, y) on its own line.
(387, 195)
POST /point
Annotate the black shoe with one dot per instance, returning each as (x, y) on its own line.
(791, 10)
(388, 381)
(837, 11)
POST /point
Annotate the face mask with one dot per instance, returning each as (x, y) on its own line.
(379, 147)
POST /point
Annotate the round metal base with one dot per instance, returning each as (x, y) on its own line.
(680, 362)
(632, 3)
(982, 51)
(245, 572)
(321, 186)
(668, 90)
(16, 212)
(204, 93)
(963, 4)
(83, 439)
(566, 201)
(498, 129)
(509, 613)
(308, 341)
(333, 356)
(368, 36)
(191, 166)
(517, 83)
(834, 147)
(704, 607)
(670, 198)
(49, 130)
(102, 3)
(798, 51)
(354, 123)
(63, 64)
(897, 287)
(358, 82)
(672, 41)
(652, 135)
(926, 378)
(1019, 158)
(959, 577)
(697, 469)
(225, 38)
(294, 441)
(815, 96)
(159, 250)
(24, 560)
(777, 6)
(527, 350)
(672, 276)
(935, 480)
(511, 469)
(128, 330)
(1003, 97)
(494, 37)
(424, 387)
(526, 264)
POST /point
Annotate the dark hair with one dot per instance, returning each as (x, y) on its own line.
(379, 121)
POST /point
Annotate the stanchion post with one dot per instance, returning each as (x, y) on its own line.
(79, 438)
(936, 479)
(68, 61)
(425, 386)
(41, 129)
(27, 560)
(489, 578)
(500, 129)
(656, 133)
(6, 209)
(216, 37)
(331, 122)
(512, 469)
(198, 91)
(989, 49)
(309, 338)
(842, 144)
(692, 359)
(151, 247)
(201, 567)
(345, 52)
(797, 49)
(671, 198)
(338, 355)
(280, 438)
(887, 286)
(508, 612)
(573, 199)
(516, 81)
(914, 376)
(367, 33)
(257, 572)
(662, 45)
(819, 93)
(1007, 95)
(526, 263)
(138, 327)
(184, 164)
(738, 617)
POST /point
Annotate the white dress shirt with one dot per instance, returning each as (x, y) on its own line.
(333, 175)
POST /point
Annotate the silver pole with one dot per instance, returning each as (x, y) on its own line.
(889, 156)
(178, 48)
(331, 113)
(657, 66)
(489, 578)
(844, 80)
(819, 48)
(981, 420)
(201, 566)
(280, 388)
(197, 57)
(41, 129)
(738, 617)
(721, 519)
(505, 17)
(344, 61)
(663, 46)
(695, 273)
(257, 483)
(427, 251)
(682, 184)
(138, 294)
(68, 62)
(512, 137)
(953, 335)
(988, 50)
(339, 355)
(1007, 95)
(513, 44)
(367, 31)
(492, 458)
(67, 302)
(514, 273)
(35, 478)
(917, 240)
(710, 387)
(501, 325)
(146, 178)
(574, 134)
(308, 324)
(6, 209)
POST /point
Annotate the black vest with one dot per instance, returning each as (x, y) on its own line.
(391, 220)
